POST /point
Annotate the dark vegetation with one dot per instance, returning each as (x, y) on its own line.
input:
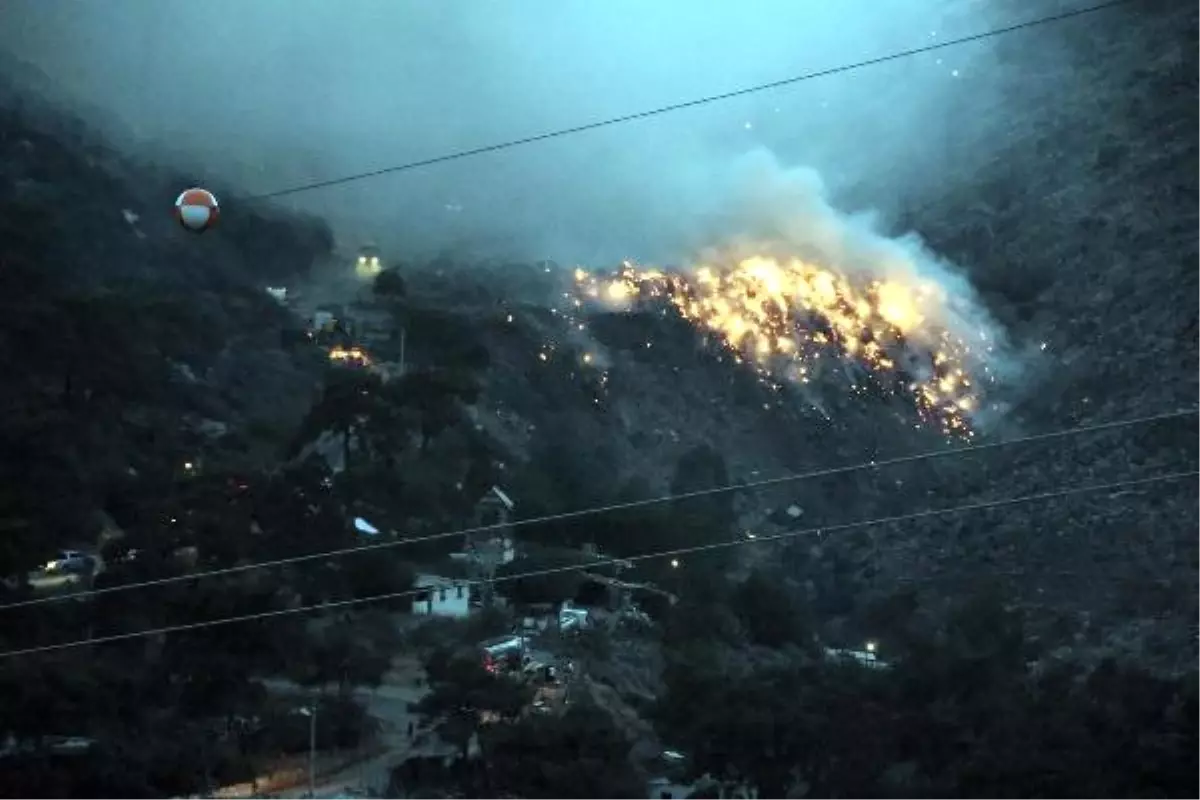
(960, 712)
(155, 409)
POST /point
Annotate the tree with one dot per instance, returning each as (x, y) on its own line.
(704, 613)
(779, 727)
(355, 651)
(437, 396)
(581, 753)
(389, 285)
(343, 409)
(213, 684)
(20, 542)
(730, 725)
(699, 469)
(574, 482)
(771, 613)
(378, 572)
(978, 659)
(462, 693)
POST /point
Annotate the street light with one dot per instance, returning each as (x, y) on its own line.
(311, 713)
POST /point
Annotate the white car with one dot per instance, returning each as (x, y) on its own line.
(69, 561)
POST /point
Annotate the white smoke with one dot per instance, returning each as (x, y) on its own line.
(760, 207)
(755, 207)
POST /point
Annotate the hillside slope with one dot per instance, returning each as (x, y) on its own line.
(129, 346)
(1080, 238)
(1100, 269)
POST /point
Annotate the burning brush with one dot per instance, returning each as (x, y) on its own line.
(788, 319)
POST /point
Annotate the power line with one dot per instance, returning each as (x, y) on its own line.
(615, 507)
(654, 112)
(824, 529)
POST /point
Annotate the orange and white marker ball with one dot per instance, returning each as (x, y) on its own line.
(197, 210)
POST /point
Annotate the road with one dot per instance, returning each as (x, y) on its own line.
(41, 581)
(389, 704)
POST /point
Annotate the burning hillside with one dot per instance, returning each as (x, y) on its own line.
(792, 321)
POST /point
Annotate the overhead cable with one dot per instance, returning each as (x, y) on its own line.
(609, 508)
(700, 101)
(673, 553)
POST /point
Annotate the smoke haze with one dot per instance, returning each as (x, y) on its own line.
(277, 93)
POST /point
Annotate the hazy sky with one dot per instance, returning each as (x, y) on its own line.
(282, 92)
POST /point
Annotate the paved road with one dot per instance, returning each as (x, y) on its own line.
(53, 581)
(389, 704)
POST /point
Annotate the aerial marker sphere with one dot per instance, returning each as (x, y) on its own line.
(197, 210)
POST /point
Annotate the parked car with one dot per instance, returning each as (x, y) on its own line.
(70, 561)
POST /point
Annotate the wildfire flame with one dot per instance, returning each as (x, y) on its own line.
(788, 318)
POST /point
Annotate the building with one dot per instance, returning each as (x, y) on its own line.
(441, 597)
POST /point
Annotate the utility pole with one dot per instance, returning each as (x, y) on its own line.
(488, 548)
(208, 776)
(623, 595)
(311, 712)
(312, 752)
(486, 556)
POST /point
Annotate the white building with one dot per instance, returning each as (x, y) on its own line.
(441, 597)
